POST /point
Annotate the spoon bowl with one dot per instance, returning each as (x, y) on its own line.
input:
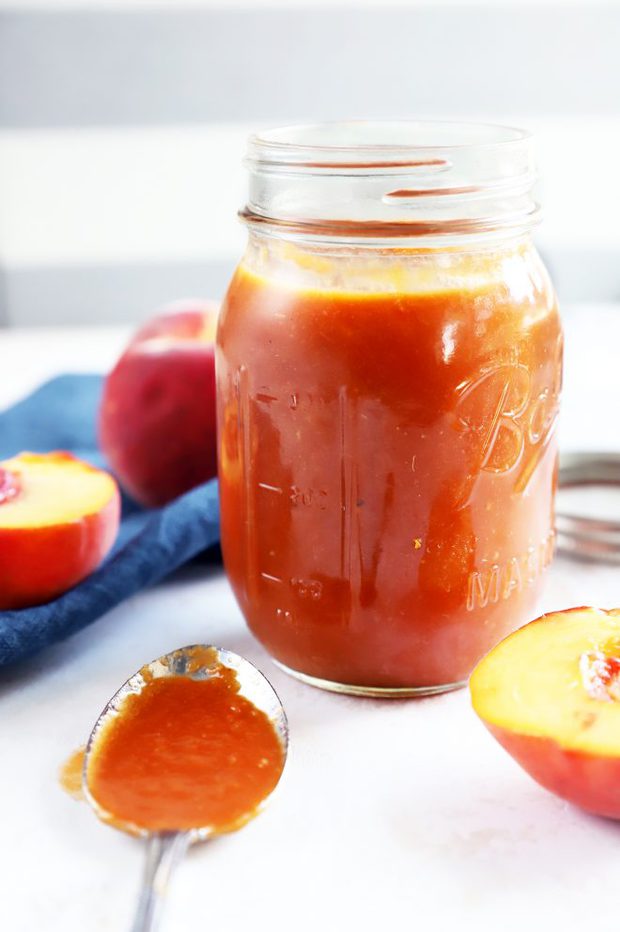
(165, 849)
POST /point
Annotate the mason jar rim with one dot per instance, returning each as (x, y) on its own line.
(336, 139)
(374, 180)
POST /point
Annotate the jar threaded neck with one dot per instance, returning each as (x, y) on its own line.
(375, 181)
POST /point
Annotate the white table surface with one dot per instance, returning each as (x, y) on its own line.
(391, 815)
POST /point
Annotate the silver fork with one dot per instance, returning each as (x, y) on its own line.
(578, 535)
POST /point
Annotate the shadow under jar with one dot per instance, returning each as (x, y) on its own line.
(389, 368)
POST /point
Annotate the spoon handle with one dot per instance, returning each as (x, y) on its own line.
(164, 852)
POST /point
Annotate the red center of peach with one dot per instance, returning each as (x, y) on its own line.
(10, 486)
(600, 673)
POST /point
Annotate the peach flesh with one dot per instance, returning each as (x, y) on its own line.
(58, 519)
(550, 695)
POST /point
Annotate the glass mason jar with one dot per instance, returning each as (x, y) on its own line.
(389, 368)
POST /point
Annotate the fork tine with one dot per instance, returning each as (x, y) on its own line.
(579, 536)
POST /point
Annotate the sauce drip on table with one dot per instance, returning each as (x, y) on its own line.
(185, 753)
(70, 776)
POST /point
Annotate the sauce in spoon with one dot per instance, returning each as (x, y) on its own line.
(183, 753)
(190, 746)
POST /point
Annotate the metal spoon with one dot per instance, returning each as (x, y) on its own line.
(166, 849)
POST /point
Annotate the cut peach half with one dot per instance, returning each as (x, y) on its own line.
(59, 518)
(550, 694)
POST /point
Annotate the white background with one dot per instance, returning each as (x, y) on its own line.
(120, 165)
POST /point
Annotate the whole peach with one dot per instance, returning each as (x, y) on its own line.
(157, 425)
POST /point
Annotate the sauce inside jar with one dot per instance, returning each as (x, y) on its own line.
(387, 459)
(185, 753)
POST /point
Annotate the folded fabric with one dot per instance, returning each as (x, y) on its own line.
(61, 415)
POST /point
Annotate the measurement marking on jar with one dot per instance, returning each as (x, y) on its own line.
(304, 588)
(349, 495)
(283, 614)
(345, 524)
(270, 488)
(265, 397)
(307, 588)
(276, 579)
(251, 548)
(308, 497)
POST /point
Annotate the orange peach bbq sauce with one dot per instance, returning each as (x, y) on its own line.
(387, 470)
(185, 753)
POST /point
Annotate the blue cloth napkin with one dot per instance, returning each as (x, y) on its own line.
(61, 415)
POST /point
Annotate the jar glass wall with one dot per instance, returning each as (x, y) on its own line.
(389, 366)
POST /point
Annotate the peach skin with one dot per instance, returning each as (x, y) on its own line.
(157, 423)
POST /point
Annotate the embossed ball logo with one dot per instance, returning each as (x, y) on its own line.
(504, 414)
